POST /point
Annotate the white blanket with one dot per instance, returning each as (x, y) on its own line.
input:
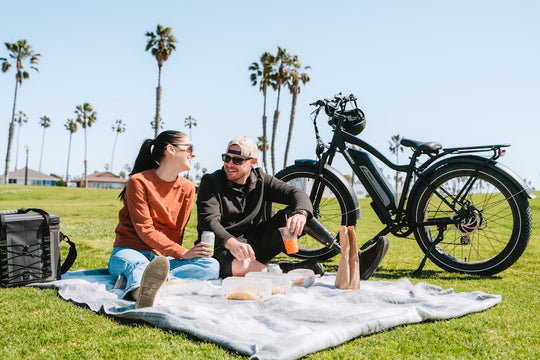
(283, 326)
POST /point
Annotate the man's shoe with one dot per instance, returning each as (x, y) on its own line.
(372, 257)
(154, 276)
(286, 266)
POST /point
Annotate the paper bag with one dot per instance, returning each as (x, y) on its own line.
(348, 274)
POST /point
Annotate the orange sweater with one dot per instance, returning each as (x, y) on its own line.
(155, 214)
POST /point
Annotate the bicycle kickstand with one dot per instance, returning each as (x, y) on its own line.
(439, 238)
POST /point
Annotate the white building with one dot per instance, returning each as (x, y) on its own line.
(32, 177)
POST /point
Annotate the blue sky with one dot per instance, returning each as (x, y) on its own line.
(457, 72)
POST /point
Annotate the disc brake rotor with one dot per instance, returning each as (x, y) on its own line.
(470, 223)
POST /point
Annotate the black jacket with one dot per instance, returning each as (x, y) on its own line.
(232, 210)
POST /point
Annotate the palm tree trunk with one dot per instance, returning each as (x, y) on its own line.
(158, 105)
(274, 129)
(113, 148)
(42, 145)
(291, 124)
(17, 147)
(69, 153)
(85, 163)
(264, 141)
(264, 144)
(10, 133)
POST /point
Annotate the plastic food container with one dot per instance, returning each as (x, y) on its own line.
(302, 277)
(281, 283)
(244, 288)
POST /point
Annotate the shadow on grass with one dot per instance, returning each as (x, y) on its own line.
(396, 274)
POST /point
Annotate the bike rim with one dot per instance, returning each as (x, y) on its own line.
(486, 232)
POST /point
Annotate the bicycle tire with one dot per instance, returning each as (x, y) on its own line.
(491, 238)
(335, 209)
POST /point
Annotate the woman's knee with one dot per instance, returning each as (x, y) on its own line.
(125, 261)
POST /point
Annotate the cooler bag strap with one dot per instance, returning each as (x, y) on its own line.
(71, 256)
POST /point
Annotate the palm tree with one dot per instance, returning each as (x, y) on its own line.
(262, 145)
(118, 127)
(190, 122)
(44, 122)
(19, 52)
(162, 44)
(395, 148)
(20, 119)
(279, 77)
(261, 75)
(294, 87)
(86, 116)
(71, 126)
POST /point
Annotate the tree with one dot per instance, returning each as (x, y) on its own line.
(395, 148)
(118, 127)
(44, 122)
(197, 167)
(71, 126)
(20, 52)
(279, 77)
(261, 74)
(86, 116)
(20, 119)
(293, 83)
(190, 122)
(162, 44)
(262, 145)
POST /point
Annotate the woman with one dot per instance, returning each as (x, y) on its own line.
(157, 206)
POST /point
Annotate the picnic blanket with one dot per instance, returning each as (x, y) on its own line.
(282, 326)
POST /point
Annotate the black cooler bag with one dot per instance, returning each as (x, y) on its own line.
(30, 247)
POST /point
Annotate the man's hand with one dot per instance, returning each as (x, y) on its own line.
(296, 223)
(241, 251)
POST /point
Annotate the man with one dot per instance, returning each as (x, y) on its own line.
(230, 203)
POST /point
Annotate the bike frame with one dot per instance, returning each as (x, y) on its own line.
(392, 213)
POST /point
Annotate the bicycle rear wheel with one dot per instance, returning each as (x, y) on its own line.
(333, 208)
(494, 220)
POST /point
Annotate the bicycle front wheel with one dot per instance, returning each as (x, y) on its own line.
(494, 219)
(332, 206)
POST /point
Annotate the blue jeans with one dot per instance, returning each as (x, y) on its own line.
(131, 264)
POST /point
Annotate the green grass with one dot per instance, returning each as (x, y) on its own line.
(37, 324)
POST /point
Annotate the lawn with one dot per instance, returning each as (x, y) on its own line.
(37, 324)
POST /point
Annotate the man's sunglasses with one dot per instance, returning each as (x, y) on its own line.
(190, 148)
(235, 160)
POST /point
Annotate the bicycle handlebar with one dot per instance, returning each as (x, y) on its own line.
(335, 107)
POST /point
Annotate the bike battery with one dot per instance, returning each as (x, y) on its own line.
(376, 185)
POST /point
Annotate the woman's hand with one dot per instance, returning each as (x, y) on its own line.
(199, 250)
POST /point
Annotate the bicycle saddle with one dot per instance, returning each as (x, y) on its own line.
(422, 147)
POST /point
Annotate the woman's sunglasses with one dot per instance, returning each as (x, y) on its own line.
(190, 148)
(235, 160)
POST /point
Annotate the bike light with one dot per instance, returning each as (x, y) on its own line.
(502, 152)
